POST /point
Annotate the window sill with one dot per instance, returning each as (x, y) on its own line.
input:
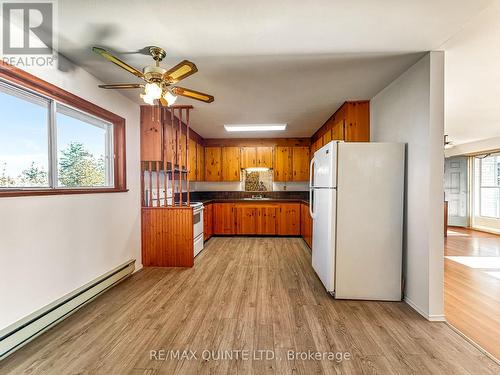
(28, 193)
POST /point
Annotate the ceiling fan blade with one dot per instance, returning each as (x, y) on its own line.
(163, 102)
(115, 60)
(188, 93)
(182, 70)
(123, 86)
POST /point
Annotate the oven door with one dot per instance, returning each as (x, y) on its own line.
(197, 221)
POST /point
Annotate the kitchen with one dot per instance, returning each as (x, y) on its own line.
(263, 187)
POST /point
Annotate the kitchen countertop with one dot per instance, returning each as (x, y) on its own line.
(241, 200)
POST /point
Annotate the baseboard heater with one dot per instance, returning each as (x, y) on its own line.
(20, 333)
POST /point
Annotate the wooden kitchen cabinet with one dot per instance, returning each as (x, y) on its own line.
(181, 160)
(151, 135)
(207, 221)
(246, 219)
(315, 146)
(253, 157)
(338, 131)
(267, 220)
(264, 157)
(193, 165)
(283, 164)
(200, 162)
(288, 223)
(327, 137)
(300, 163)
(306, 224)
(223, 218)
(213, 166)
(231, 164)
(248, 157)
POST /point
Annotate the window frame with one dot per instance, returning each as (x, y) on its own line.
(480, 187)
(33, 85)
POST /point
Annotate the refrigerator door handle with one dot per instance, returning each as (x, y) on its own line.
(311, 202)
(311, 164)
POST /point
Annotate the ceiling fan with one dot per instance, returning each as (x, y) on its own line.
(159, 80)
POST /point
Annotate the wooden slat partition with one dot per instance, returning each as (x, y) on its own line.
(167, 237)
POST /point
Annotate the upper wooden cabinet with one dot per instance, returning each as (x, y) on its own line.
(252, 157)
(248, 157)
(265, 157)
(200, 162)
(350, 123)
(300, 163)
(213, 167)
(193, 165)
(338, 131)
(283, 164)
(230, 164)
(151, 135)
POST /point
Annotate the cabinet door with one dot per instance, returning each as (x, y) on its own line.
(230, 164)
(246, 219)
(267, 221)
(338, 131)
(207, 221)
(357, 122)
(213, 170)
(306, 224)
(265, 157)
(200, 162)
(193, 166)
(151, 135)
(289, 219)
(223, 218)
(300, 163)
(315, 147)
(282, 164)
(248, 157)
(327, 137)
(183, 154)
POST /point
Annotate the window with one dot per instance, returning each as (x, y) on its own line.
(488, 181)
(53, 142)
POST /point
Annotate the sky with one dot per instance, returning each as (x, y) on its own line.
(24, 135)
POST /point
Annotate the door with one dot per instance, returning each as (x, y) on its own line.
(267, 221)
(192, 161)
(248, 157)
(282, 164)
(230, 164)
(223, 218)
(324, 166)
(213, 171)
(289, 219)
(265, 157)
(456, 190)
(323, 243)
(300, 163)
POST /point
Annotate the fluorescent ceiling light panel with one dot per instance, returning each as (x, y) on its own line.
(254, 127)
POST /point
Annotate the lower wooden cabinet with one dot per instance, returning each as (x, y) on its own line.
(289, 219)
(306, 224)
(223, 218)
(281, 219)
(208, 230)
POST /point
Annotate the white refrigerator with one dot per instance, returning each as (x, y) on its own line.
(356, 203)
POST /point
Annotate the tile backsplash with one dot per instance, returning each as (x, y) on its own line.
(257, 180)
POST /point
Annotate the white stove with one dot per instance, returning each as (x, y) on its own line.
(198, 225)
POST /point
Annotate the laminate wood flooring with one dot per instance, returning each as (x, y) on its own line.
(472, 286)
(257, 295)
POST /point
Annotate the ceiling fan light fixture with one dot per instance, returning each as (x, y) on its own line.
(153, 90)
(170, 98)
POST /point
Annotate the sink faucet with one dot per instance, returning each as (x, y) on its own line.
(258, 196)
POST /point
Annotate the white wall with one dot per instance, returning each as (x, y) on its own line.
(411, 110)
(51, 245)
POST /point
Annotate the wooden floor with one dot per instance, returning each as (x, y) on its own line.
(244, 294)
(472, 286)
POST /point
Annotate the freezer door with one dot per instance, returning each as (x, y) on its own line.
(369, 221)
(323, 250)
(324, 169)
